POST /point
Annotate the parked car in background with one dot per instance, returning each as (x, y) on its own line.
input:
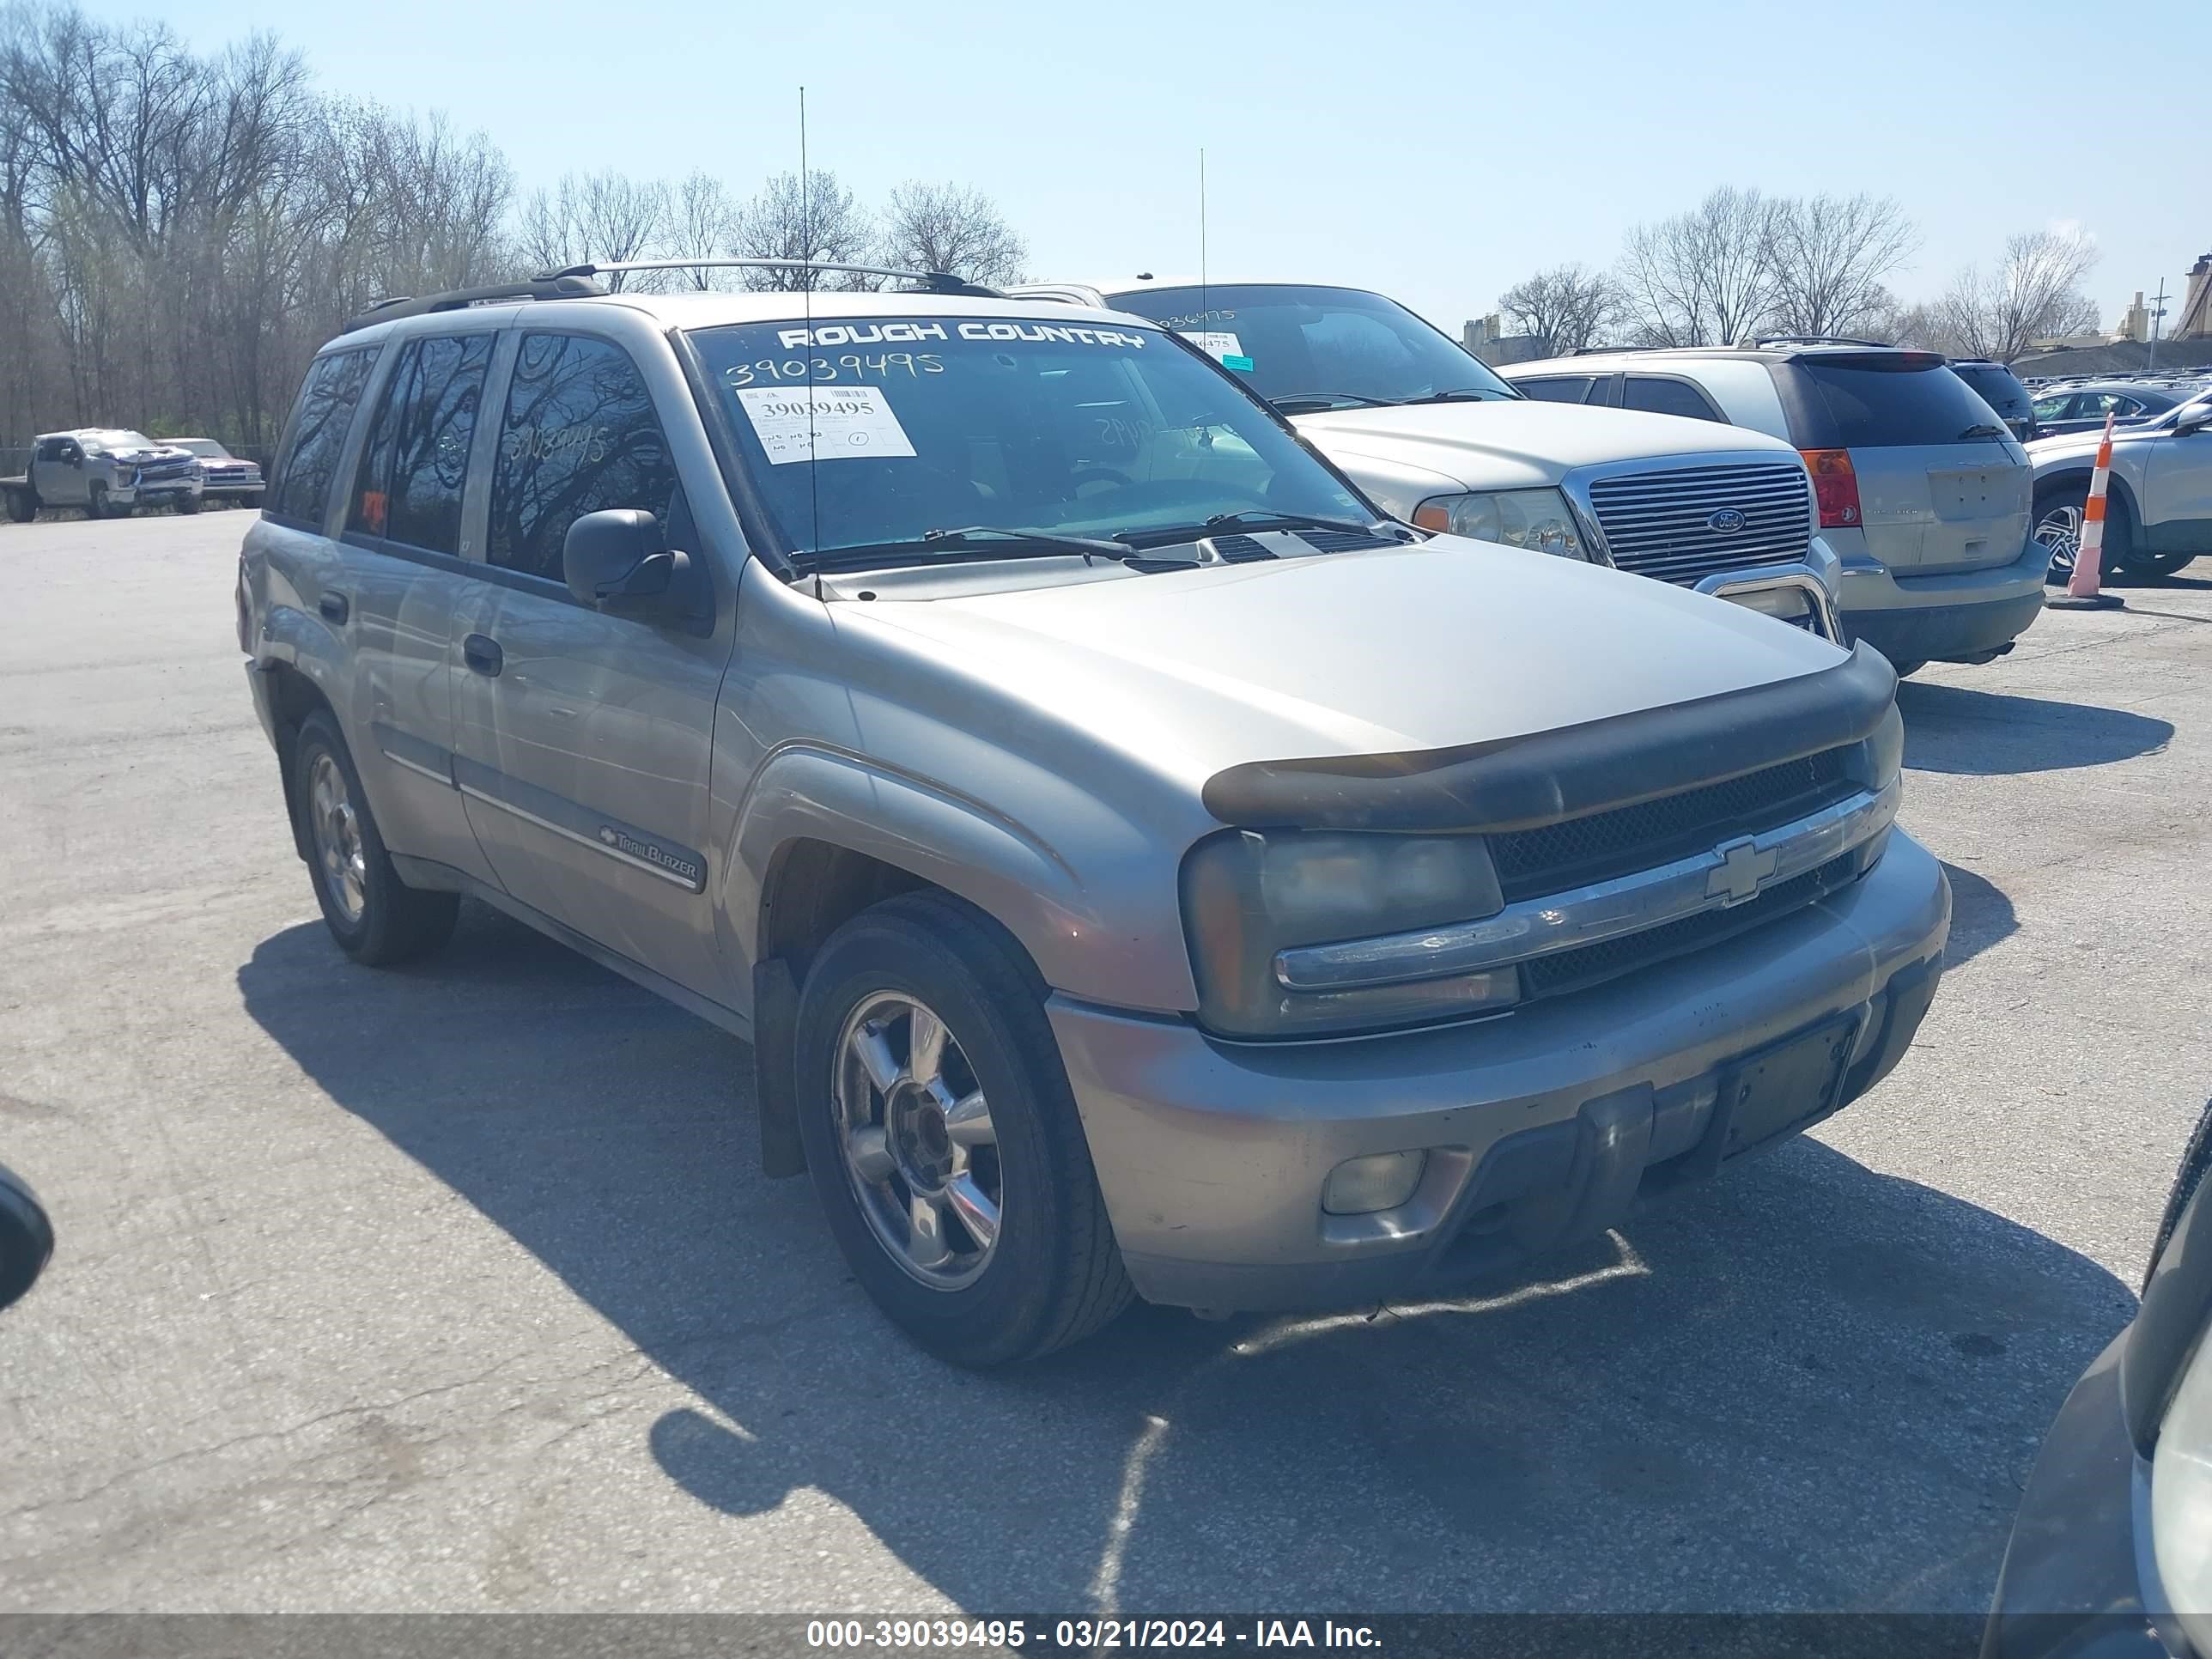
(227, 477)
(2158, 506)
(1920, 488)
(109, 472)
(995, 714)
(2111, 1553)
(2000, 388)
(1431, 433)
(2084, 407)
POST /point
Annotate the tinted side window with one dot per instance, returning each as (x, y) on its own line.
(1664, 397)
(1997, 387)
(417, 460)
(580, 436)
(318, 432)
(1558, 388)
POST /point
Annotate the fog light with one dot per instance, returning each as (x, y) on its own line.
(1383, 1181)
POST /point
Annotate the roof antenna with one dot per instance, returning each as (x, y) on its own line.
(1205, 315)
(806, 289)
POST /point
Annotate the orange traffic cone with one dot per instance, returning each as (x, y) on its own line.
(2081, 590)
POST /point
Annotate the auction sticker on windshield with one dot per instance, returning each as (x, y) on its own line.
(823, 422)
(1215, 343)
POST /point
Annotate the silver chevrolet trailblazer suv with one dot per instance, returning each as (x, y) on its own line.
(1138, 865)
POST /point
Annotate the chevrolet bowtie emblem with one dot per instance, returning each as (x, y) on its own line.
(1744, 865)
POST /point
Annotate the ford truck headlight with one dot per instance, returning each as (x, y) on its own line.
(1539, 519)
(1248, 897)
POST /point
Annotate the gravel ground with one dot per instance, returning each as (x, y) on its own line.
(454, 1288)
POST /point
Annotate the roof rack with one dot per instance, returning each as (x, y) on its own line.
(565, 286)
(1607, 351)
(1815, 339)
(931, 281)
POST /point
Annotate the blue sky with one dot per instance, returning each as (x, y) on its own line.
(1436, 151)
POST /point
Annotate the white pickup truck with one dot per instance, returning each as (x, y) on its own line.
(1429, 432)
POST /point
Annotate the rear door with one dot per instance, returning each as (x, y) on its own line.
(403, 575)
(1942, 486)
(584, 738)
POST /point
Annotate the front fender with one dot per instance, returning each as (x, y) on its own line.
(1114, 937)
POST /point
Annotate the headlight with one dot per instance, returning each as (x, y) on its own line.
(2181, 1499)
(1247, 896)
(1537, 518)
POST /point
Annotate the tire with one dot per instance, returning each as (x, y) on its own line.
(2057, 519)
(95, 501)
(188, 504)
(1049, 1275)
(22, 506)
(377, 919)
(1908, 667)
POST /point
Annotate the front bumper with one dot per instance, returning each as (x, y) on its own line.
(2075, 1570)
(157, 492)
(1956, 616)
(1541, 1127)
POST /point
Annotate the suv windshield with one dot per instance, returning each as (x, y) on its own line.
(1997, 387)
(1306, 349)
(998, 424)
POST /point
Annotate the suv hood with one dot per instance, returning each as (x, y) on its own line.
(1432, 645)
(1522, 443)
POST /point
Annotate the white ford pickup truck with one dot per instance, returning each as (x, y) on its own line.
(1430, 432)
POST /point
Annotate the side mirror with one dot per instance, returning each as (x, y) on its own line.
(27, 1239)
(2194, 421)
(618, 561)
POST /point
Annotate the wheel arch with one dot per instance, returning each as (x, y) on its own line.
(2117, 485)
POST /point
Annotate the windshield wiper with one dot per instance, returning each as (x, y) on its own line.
(1983, 430)
(977, 535)
(1257, 519)
(990, 541)
(1318, 401)
(1466, 394)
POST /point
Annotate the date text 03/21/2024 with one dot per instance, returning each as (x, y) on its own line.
(1085, 1634)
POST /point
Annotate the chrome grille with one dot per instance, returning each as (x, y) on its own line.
(1659, 524)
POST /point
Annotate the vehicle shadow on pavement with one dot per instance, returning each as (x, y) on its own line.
(1953, 728)
(1981, 916)
(1806, 1385)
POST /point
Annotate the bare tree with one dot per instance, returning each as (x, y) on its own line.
(1702, 278)
(702, 224)
(2034, 294)
(1563, 309)
(601, 218)
(1828, 258)
(816, 221)
(951, 227)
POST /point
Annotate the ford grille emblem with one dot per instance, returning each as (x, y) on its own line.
(1726, 522)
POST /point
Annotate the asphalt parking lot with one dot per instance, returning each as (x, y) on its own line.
(455, 1287)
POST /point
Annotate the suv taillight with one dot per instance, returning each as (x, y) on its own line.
(1835, 486)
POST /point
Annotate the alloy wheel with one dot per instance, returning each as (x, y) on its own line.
(339, 859)
(919, 1146)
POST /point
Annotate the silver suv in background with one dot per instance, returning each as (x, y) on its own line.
(1921, 487)
(2158, 513)
(1138, 867)
(1430, 432)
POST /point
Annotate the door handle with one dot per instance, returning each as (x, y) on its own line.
(481, 652)
(334, 606)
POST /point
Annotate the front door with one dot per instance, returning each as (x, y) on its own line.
(583, 739)
(58, 472)
(2177, 490)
